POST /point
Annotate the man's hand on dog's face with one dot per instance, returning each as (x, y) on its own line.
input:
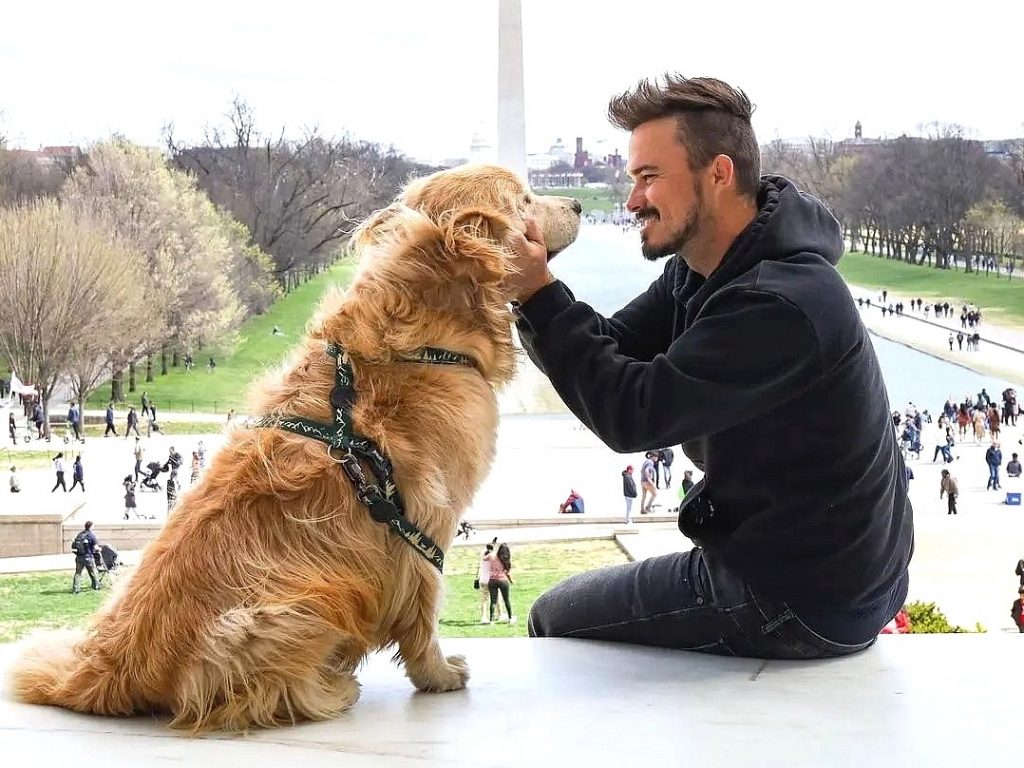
(530, 258)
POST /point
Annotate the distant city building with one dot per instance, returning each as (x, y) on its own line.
(52, 156)
(551, 179)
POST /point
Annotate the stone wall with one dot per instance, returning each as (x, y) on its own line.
(121, 536)
(24, 535)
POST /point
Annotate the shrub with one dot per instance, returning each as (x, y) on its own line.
(926, 618)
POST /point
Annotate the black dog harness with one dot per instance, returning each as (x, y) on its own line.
(346, 448)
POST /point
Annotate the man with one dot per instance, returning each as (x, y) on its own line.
(145, 404)
(133, 423)
(110, 421)
(75, 421)
(948, 486)
(138, 458)
(803, 536)
(648, 476)
(667, 457)
(994, 458)
(84, 546)
(1013, 468)
(16, 486)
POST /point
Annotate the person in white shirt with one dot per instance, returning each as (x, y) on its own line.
(15, 485)
(483, 577)
(58, 466)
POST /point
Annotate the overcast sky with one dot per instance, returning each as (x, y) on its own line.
(421, 74)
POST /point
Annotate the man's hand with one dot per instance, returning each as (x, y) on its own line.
(530, 260)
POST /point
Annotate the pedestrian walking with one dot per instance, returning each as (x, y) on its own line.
(133, 423)
(648, 488)
(58, 467)
(667, 457)
(138, 458)
(78, 474)
(948, 486)
(629, 492)
(84, 546)
(110, 421)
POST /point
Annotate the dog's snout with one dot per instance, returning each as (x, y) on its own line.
(577, 206)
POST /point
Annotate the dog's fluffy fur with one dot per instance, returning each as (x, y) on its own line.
(270, 582)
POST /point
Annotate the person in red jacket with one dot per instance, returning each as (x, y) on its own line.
(1017, 610)
(900, 625)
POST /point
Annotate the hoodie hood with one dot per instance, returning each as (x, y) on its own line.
(788, 223)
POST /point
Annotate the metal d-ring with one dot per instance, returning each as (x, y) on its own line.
(346, 457)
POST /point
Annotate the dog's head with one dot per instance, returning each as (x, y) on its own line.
(432, 265)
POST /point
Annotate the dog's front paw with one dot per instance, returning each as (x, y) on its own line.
(449, 675)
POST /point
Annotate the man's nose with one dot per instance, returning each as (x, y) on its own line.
(635, 200)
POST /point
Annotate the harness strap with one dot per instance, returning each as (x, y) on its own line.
(346, 448)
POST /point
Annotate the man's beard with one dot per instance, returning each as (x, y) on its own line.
(681, 237)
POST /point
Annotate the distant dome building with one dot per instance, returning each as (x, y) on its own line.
(481, 150)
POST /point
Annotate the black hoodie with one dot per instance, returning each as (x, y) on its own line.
(766, 376)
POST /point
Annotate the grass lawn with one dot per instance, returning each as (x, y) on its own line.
(600, 199)
(42, 600)
(26, 459)
(535, 568)
(257, 350)
(996, 296)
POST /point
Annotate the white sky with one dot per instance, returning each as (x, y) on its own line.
(421, 74)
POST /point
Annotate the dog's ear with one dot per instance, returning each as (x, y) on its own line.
(476, 239)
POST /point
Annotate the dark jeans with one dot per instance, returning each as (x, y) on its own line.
(110, 428)
(685, 600)
(951, 504)
(88, 564)
(499, 586)
(59, 483)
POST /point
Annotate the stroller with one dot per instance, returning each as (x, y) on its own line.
(107, 561)
(149, 482)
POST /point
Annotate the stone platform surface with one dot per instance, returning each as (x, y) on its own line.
(910, 700)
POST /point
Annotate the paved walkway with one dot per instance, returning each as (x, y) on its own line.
(1000, 353)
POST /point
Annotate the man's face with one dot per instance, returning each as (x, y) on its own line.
(666, 196)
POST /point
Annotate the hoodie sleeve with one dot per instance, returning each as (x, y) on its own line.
(640, 329)
(747, 353)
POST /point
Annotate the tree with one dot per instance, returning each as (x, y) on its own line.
(299, 198)
(66, 279)
(197, 260)
(24, 178)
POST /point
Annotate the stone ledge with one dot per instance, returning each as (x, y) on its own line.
(935, 700)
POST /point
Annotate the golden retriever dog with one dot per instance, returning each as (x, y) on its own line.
(270, 582)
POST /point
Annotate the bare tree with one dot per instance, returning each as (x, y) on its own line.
(300, 198)
(65, 280)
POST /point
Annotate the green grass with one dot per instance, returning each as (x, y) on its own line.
(44, 600)
(535, 568)
(996, 296)
(25, 459)
(257, 349)
(602, 199)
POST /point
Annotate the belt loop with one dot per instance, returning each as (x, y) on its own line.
(778, 621)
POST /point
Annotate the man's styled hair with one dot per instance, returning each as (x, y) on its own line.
(88, 524)
(712, 116)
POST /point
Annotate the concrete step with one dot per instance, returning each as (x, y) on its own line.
(911, 700)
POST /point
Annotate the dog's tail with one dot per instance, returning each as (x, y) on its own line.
(60, 668)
